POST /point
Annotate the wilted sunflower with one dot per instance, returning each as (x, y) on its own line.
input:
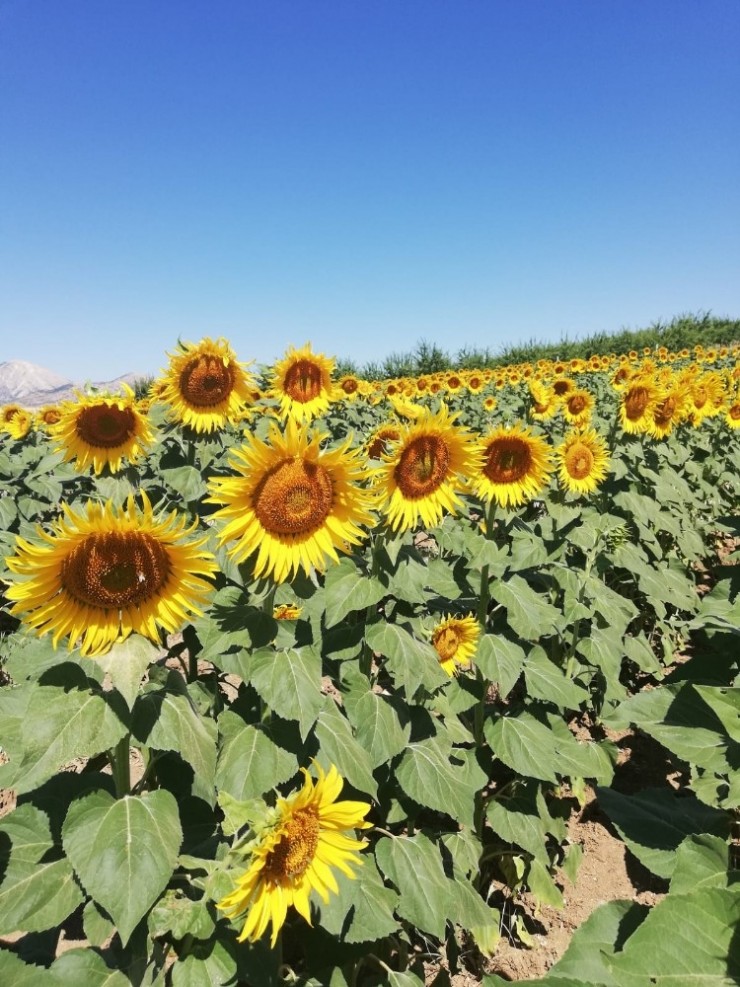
(582, 461)
(422, 473)
(302, 383)
(99, 431)
(107, 572)
(515, 466)
(291, 505)
(205, 386)
(295, 856)
(455, 640)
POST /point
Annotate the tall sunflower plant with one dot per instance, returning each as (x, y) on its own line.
(303, 679)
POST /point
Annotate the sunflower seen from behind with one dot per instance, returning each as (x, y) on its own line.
(102, 431)
(302, 384)
(205, 387)
(515, 466)
(421, 476)
(295, 853)
(290, 504)
(103, 573)
(582, 461)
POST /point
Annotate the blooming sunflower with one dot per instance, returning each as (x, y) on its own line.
(544, 402)
(455, 640)
(295, 855)
(20, 424)
(8, 413)
(515, 466)
(49, 415)
(732, 415)
(638, 400)
(105, 573)
(670, 408)
(577, 406)
(291, 505)
(379, 441)
(205, 386)
(582, 461)
(302, 384)
(349, 386)
(101, 431)
(422, 473)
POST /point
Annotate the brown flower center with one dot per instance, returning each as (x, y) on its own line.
(579, 461)
(114, 570)
(507, 460)
(295, 851)
(207, 381)
(350, 385)
(422, 466)
(51, 416)
(105, 426)
(665, 411)
(576, 404)
(635, 402)
(446, 642)
(561, 387)
(294, 498)
(734, 412)
(303, 381)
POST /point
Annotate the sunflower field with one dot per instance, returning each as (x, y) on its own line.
(303, 675)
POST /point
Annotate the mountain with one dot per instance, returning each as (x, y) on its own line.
(31, 386)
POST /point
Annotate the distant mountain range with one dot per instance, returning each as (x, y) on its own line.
(32, 386)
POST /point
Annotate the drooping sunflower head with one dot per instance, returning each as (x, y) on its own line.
(302, 383)
(295, 856)
(291, 505)
(544, 401)
(102, 431)
(423, 472)
(515, 466)
(104, 573)
(455, 640)
(204, 386)
(582, 461)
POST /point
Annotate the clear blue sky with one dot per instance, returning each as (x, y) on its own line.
(361, 174)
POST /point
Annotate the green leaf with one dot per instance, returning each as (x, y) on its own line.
(702, 861)
(414, 865)
(377, 727)
(167, 719)
(249, 762)
(601, 934)
(124, 851)
(337, 745)
(289, 682)
(211, 964)
(126, 663)
(181, 916)
(60, 726)
(686, 939)
(548, 682)
(501, 661)
(655, 821)
(347, 588)
(362, 911)
(97, 926)
(15, 973)
(85, 966)
(442, 779)
(542, 885)
(186, 481)
(517, 820)
(414, 664)
(529, 614)
(36, 893)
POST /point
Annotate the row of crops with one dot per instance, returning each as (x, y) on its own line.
(303, 677)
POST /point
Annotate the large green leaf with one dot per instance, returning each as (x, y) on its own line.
(548, 682)
(377, 727)
(362, 911)
(604, 931)
(702, 861)
(655, 821)
(347, 588)
(124, 851)
(413, 663)
(211, 964)
(338, 746)
(36, 893)
(85, 966)
(501, 661)
(15, 973)
(249, 762)
(414, 865)
(126, 663)
(440, 778)
(528, 612)
(63, 722)
(289, 682)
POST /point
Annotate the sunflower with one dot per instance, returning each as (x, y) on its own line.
(349, 386)
(582, 461)
(302, 384)
(577, 406)
(489, 403)
(475, 382)
(101, 431)
(20, 424)
(515, 466)
(562, 385)
(421, 475)
(455, 640)
(732, 415)
(287, 611)
(8, 413)
(49, 415)
(638, 400)
(670, 408)
(544, 401)
(379, 441)
(291, 505)
(295, 854)
(107, 572)
(205, 386)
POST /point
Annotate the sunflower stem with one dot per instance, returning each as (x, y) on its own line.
(119, 758)
(191, 453)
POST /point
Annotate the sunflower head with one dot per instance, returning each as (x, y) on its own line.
(514, 466)
(302, 383)
(455, 640)
(582, 461)
(205, 386)
(20, 424)
(101, 431)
